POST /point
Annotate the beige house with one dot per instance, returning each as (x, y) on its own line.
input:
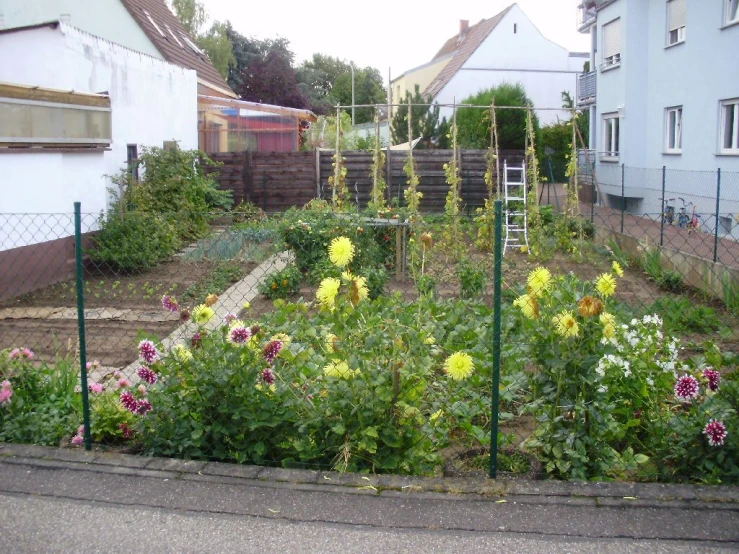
(422, 76)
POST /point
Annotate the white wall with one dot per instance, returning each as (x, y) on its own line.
(152, 101)
(544, 68)
(103, 18)
(48, 183)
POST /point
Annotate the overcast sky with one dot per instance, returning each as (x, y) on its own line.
(399, 34)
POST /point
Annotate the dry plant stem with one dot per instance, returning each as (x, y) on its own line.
(337, 167)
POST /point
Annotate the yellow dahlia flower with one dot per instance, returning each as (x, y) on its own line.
(538, 281)
(616, 268)
(202, 314)
(528, 304)
(605, 284)
(327, 291)
(565, 324)
(339, 370)
(341, 251)
(459, 366)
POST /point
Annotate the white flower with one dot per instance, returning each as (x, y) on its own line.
(650, 381)
(602, 389)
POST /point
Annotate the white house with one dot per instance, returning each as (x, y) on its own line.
(151, 101)
(507, 48)
(146, 26)
(664, 92)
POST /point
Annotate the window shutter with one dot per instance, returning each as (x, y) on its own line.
(676, 14)
(612, 38)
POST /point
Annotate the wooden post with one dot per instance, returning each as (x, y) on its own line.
(248, 176)
(318, 173)
(398, 251)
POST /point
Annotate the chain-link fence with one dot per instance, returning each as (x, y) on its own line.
(343, 341)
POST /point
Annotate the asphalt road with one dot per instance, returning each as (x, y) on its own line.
(53, 508)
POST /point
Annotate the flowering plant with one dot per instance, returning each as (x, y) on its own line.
(38, 401)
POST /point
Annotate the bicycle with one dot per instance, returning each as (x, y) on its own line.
(668, 212)
(682, 217)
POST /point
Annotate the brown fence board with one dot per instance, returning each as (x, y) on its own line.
(276, 181)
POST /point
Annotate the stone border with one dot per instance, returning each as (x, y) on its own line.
(597, 493)
(229, 301)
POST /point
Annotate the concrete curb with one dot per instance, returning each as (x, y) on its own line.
(479, 489)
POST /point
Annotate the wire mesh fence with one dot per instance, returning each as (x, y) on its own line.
(364, 342)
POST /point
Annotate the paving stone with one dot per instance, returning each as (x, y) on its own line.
(171, 464)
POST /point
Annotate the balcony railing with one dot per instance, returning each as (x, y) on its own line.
(586, 88)
(586, 15)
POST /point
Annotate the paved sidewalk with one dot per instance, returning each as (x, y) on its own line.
(93, 501)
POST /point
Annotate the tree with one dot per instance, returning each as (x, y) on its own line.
(424, 122)
(271, 80)
(583, 119)
(191, 14)
(214, 42)
(327, 81)
(473, 124)
(316, 78)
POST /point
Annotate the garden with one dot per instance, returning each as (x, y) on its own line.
(367, 346)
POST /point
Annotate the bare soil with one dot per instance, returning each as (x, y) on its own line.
(111, 341)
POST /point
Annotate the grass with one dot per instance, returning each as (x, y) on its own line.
(223, 275)
(683, 315)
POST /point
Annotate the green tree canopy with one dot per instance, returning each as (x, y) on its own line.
(327, 81)
(473, 124)
(424, 122)
(215, 42)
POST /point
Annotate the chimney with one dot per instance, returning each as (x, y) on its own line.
(65, 18)
(464, 24)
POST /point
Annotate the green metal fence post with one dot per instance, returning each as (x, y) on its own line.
(623, 195)
(81, 322)
(663, 208)
(718, 206)
(497, 271)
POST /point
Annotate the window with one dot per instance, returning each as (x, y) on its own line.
(132, 160)
(731, 14)
(515, 28)
(673, 129)
(611, 44)
(192, 45)
(610, 135)
(730, 126)
(676, 17)
(173, 35)
(154, 23)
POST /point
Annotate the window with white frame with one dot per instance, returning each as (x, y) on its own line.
(676, 17)
(610, 135)
(729, 135)
(673, 129)
(731, 13)
(611, 43)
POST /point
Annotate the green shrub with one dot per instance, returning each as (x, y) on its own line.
(281, 284)
(471, 279)
(43, 407)
(308, 235)
(174, 182)
(376, 279)
(133, 241)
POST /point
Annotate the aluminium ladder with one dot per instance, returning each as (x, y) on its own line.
(516, 224)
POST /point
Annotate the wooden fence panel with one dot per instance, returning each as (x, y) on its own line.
(275, 181)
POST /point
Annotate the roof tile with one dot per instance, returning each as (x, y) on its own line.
(175, 49)
(462, 49)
